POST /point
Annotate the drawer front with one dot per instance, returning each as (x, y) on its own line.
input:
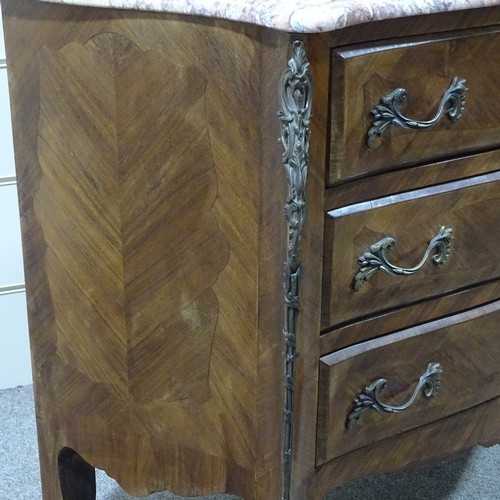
(361, 77)
(468, 207)
(466, 347)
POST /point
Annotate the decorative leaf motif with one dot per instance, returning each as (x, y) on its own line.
(429, 382)
(296, 91)
(376, 258)
(388, 111)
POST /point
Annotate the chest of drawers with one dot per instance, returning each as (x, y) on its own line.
(170, 345)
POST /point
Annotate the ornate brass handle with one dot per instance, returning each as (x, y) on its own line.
(429, 382)
(376, 258)
(387, 112)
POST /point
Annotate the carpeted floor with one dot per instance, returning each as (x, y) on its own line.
(472, 477)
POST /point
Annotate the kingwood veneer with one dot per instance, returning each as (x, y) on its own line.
(151, 190)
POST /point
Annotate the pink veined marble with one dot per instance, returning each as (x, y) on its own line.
(301, 16)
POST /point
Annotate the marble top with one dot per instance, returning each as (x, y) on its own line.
(301, 16)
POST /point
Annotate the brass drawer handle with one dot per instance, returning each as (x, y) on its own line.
(376, 258)
(388, 112)
(429, 382)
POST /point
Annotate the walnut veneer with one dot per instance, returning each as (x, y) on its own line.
(151, 191)
(425, 67)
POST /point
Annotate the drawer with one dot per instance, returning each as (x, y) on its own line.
(469, 207)
(466, 346)
(363, 75)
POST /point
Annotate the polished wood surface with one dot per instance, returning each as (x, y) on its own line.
(272, 233)
(405, 317)
(411, 178)
(412, 219)
(441, 440)
(151, 189)
(415, 25)
(425, 68)
(139, 184)
(465, 345)
(318, 49)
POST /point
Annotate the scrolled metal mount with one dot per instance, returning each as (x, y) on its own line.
(295, 93)
(388, 112)
(429, 382)
(376, 258)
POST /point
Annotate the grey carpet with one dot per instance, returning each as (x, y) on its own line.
(474, 476)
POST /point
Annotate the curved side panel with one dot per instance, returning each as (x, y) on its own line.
(139, 199)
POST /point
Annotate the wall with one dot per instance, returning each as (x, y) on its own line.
(15, 366)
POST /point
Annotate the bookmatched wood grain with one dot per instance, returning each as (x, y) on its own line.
(465, 347)
(151, 189)
(412, 219)
(425, 67)
(140, 181)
